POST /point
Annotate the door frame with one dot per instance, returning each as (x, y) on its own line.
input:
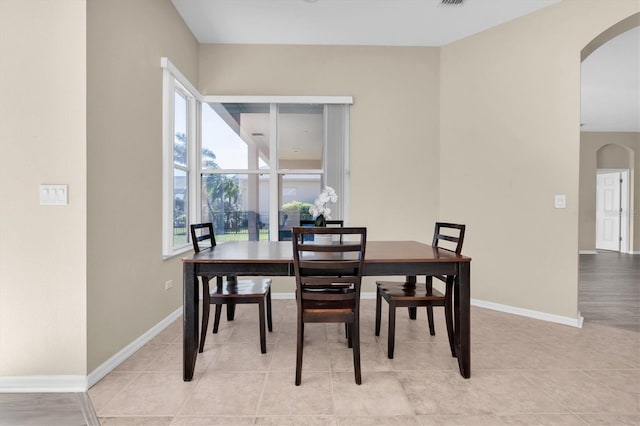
(625, 217)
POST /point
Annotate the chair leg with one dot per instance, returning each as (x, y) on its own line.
(349, 334)
(378, 310)
(269, 318)
(392, 330)
(299, 345)
(429, 287)
(263, 332)
(412, 312)
(206, 306)
(216, 319)
(231, 311)
(432, 329)
(355, 336)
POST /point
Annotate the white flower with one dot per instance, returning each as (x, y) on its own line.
(320, 206)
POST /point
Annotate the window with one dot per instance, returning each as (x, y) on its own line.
(179, 136)
(250, 165)
(264, 163)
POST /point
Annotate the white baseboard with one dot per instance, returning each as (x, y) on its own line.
(15, 384)
(573, 322)
(109, 365)
(596, 252)
(19, 384)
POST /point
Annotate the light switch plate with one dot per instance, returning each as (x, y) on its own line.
(560, 201)
(54, 195)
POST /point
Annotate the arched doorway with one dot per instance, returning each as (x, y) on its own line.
(608, 292)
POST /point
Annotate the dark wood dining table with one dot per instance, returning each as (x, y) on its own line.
(275, 258)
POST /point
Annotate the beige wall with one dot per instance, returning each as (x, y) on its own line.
(628, 144)
(42, 134)
(126, 273)
(394, 120)
(430, 132)
(510, 108)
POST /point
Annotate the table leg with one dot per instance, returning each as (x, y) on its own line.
(463, 318)
(190, 321)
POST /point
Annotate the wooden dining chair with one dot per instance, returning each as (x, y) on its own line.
(328, 280)
(230, 292)
(447, 236)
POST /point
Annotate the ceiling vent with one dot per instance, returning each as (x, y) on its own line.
(451, 2)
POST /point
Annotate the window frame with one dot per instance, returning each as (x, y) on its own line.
(275, 173)
(174, 80)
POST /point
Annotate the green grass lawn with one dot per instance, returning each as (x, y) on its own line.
(179, 240)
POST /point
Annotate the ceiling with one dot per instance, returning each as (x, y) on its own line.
(610, 75)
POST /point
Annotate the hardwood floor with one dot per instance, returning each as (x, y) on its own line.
(50, 409)
(609, 289)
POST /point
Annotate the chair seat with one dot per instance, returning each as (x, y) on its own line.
(243, 288)
(232, 292)
(400, 291)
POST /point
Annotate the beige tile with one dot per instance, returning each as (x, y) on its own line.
(378, 421)
(212, 421)
(583, 394)
(314, 334)
(524, 371)
(542, 420)
(611, 419)
(225, 394)
(315, 357)
(143, 357)
(417, 330)
(626, 381)
(380, 394)
(135, 421)
(171, 334)
(422, 356)
(239, 357)
(486, 392)
(296, 420)
(372, 358)
(150, 394)
(460, 420)
(107, 388)
(282, 398)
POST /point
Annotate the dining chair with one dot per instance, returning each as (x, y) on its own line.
(330, 223)
(328, 281)
(230, 292)
(447, 236)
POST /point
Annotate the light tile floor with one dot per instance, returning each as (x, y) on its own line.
(524, 372)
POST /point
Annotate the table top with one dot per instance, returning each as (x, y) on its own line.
(282, 252)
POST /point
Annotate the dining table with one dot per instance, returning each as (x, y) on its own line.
(275, 258)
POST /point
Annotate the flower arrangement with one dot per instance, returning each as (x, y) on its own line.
(320, 209)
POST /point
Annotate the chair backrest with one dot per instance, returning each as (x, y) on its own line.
(338, 264)
(452, 233)
(330, 223)
(201, 232)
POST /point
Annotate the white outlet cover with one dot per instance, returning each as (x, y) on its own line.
(560, 201)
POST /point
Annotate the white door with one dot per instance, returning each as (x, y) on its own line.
(608, 211)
